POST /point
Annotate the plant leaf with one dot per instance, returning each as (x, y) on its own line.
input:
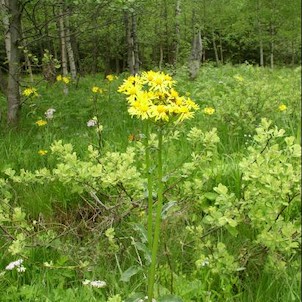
(131, 271)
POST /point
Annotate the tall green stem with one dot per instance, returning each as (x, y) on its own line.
(151, 276)
(149, 185)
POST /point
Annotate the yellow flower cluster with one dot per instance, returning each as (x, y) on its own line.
(282, 107)
(30, 91)
(96, 89)
(208, 110)
(111, 77)
(41, 123)
(42, 152)
(65, 80)
(151, 96)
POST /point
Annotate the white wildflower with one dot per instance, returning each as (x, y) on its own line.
(96, 283)
(49, 113)
(93, 122)
(14, 264)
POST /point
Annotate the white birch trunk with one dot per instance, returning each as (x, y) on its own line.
(73, 69)
(63, 47)
(196, 55)
(5, 20)
(177, 31)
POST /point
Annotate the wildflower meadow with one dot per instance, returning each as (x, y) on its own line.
(153, 187)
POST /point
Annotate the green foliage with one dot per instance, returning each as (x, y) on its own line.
(231, 216)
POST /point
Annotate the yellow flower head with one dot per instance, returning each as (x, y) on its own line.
(96, 89)
(42, 152)
(184, 113)
(160, 112)
(282, 107)
(65, 80)
(173, 93)
(59, 78)
(208, 110)
(41, 123)
(152, 96)
(30, 91)
(141, 106)
(111, 77)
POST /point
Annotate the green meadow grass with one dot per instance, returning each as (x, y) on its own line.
(240, 95)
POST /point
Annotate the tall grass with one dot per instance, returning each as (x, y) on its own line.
(240, 95)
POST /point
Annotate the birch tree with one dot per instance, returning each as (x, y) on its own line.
(63, 45)
(132, 43)
(177, 31)
(12, 25)
(196, 55)
(70, 53)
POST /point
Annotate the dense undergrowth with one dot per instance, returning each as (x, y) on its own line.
(74, 198)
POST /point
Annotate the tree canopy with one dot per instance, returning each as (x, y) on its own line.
(92, 36)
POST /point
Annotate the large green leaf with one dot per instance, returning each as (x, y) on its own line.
(131, 271)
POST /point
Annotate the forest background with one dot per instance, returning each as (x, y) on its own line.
(114, 36)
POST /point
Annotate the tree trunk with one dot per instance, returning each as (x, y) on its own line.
(28, 66)
(129, 42)
(132, 45)
(261, 53)
(63, 46)
(73, 69)
(272, 55)
(293, 53)
(196, 55)
(215, 49)
(272, 45)
(95, 54)
(161, 56)
(135, 44)
(221, 50)
(5, 20)
(13, 53)
(259, 29)
(177, 32)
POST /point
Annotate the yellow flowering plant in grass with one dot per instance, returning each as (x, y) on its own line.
(42, 152)
(96, 89)
(65, 80)
(30, 91)
(209, 110)
(151, 97)
(41, 123)
(111, 77)
(282, 107)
